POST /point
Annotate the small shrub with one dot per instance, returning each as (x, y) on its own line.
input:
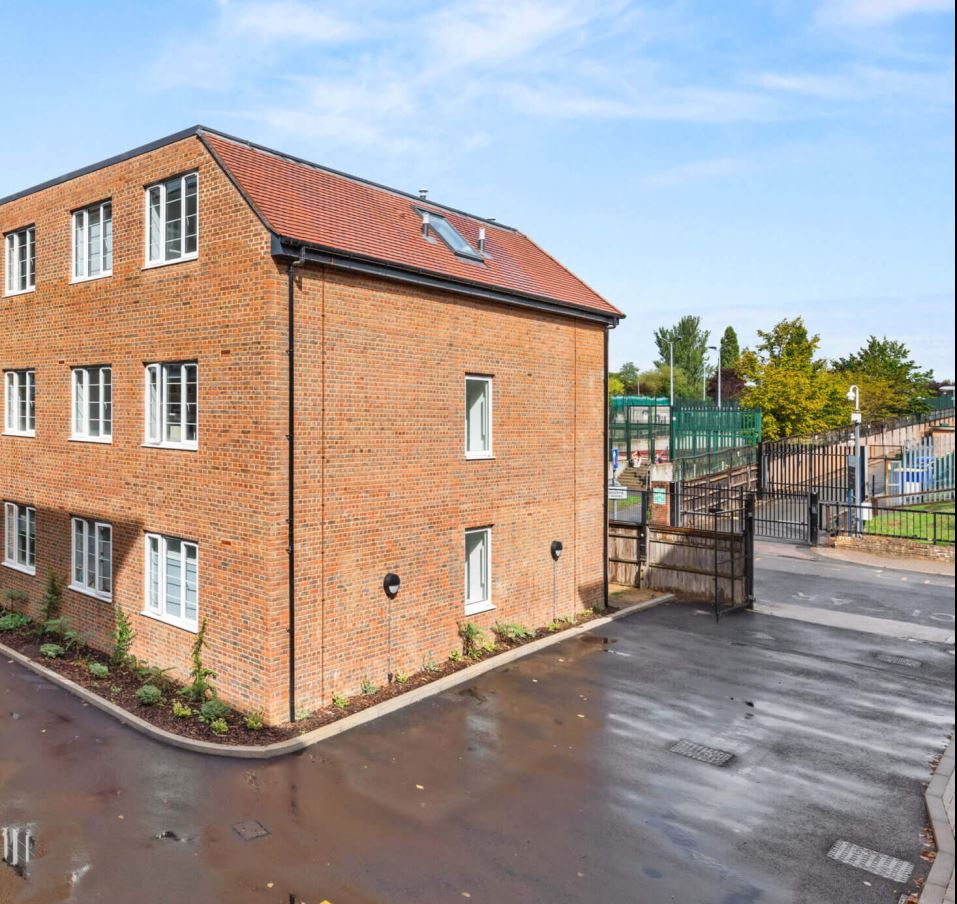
(218, 726)
(455, 655)
(98, 670)
(401, 677)
(149, 695)
(510, 633)
(368, 687)
(212, 710)
(13, 621)
(200, 688)
(53, 598)
(115, 689)
(473, 639)
(429, 665)
(123, 635)
(181, 710)
(51, 650)
(254, 721)
(340, 701)
(72, 640)
(152, 674)
(15, 596)
(55, 626)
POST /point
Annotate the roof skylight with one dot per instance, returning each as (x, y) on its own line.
(435, 222)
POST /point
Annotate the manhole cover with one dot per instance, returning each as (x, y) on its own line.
(250, 829)
(710, 755)
(882, 865)
(891, 659)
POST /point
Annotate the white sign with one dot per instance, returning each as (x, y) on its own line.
(617, 492)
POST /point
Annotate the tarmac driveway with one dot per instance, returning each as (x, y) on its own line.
(548, 781)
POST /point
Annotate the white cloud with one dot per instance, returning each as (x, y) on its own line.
(863, 82)
(878, 12)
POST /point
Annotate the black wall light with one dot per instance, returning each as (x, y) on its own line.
(390, 584)
(557, 548)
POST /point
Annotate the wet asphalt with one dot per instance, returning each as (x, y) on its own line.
(551, 780)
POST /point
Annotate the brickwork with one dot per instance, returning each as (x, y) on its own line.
(893, 546)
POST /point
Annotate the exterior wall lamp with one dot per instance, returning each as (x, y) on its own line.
(390, 586)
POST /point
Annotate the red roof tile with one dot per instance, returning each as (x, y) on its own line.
(316, 206)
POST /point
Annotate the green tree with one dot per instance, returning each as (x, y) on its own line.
(891, 383)
(657, 383)
(730, 352)
(628, 374)
(690, 349)
(794, 390)
(615, 386)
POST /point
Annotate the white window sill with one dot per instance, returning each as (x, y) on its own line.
(479, 456)
(89, 591)
(101, 440)
(82, 279)
(20, 292)
(478, 608)
(152, 265)
(27, 433)
(183, 447)
(180, 623)
(25, 569)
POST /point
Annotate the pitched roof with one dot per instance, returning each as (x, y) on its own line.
(331, 210)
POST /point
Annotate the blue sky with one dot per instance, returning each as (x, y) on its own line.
(744, 161)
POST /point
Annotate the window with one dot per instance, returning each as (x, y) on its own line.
(172, 580)
(21, 261)
(93, 404)
(478, 570)
(19, 405)
(478, 417)
(435, 222)
(93, 242)
(92, 558)
(172, 405)
(19, 537)
(172, 220)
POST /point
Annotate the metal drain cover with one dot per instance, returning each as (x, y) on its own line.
(891, 659)
(703, 754)
(250, 829)
(882, 865)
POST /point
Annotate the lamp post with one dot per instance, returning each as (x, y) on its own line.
(716, 349)
(390, 586)
(671, 371)
(854, 395)
(556, 552)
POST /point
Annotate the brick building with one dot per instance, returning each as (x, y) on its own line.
(242, 388)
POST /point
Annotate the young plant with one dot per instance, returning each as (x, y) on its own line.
(473, 640)
(429, 665)
(368, 688)
(51, 650)
(200, 688)
(14, 596)
(98, 670)
(123, 636)
(53, 598)
(340, 701)
(13, 621)
(455, 655)
(218, 726)
(254, 721)
(212, 710)
(510, 633)
(401, 677)
(181, 710)
(149, 695)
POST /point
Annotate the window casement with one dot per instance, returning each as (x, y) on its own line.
(478, 417)
(93, 404)
(172, 220)
(20, 256)
(19, 537)
(93, 242)
(92, 558)
(435, 222)
(478, 570)
(172, 580)
(172, 405)
(19, 398)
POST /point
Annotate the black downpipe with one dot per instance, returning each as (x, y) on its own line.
(604, 481)
(291, 464)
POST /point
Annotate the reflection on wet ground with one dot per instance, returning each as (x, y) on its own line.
(550, 781)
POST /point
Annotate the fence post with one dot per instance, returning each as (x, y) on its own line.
(749, 549)
(812, 518)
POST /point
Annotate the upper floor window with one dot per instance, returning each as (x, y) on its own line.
(21, 261)
(172, 405)
(93, 403)
(92, 557)
(19, 537)
(93, 241)
(478, 417)
(19, 402)
(172, 216)
(172, 580)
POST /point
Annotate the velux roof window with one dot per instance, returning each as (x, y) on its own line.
(433, 222)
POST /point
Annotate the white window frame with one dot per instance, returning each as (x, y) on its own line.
(475, 606)
(161, 187)
(12, 513)
(11, 243)
(99, 583)
(13, 381)
(156, 607)
(480, 453)
(80, 260)
(80, 419)
(156, 419)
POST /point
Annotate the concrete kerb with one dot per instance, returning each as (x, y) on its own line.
(940, 789)
(292, 745)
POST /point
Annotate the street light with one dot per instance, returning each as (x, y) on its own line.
(671, 370)
(716, 349)
(854, 395)
(556, 552)
(390, 586)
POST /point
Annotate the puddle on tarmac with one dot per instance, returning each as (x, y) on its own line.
(597, 640)
(474, 693)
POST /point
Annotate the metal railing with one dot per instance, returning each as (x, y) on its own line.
(927, 524)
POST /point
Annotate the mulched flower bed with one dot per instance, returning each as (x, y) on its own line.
(123, 682)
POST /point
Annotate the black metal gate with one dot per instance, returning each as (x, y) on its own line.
(783, 515)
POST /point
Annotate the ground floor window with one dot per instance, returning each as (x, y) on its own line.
(92, 557)
(478, 570)
(19, 536)
(172, 580)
